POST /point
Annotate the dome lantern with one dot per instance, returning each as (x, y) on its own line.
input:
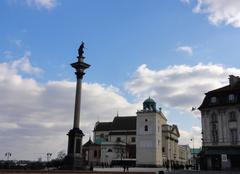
(149, 105)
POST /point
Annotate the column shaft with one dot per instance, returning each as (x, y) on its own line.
(76, 121)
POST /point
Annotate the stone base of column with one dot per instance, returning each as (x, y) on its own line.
(74, 159)
(74, 163)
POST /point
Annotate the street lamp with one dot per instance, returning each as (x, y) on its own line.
(8, 154)
(193, 153)
(174, 156)
(48, 158)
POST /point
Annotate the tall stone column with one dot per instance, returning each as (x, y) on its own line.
(74, 158)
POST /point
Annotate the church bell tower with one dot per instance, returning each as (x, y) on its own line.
(149, 135)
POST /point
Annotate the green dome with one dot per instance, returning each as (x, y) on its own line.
(149, 100)
(149, 105)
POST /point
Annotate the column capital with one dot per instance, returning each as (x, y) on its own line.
(79, 75)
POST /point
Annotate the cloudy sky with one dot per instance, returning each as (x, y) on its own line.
(174, 51)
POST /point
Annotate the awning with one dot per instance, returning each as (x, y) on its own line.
(228, 151)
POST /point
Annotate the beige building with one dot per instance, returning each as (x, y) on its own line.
(184, 155)
(220, 116)
(92, 152)
(170, 135)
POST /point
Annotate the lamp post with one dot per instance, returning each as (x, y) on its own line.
(174, 156)
(8, 154)
(48, 159)
(170, 152)
(193, 153)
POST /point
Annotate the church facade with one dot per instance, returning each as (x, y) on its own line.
(142, 140)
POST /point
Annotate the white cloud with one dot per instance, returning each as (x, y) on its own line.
(23, 64)
(18, 43)
(7, 54)
(220, 11)
(185, 49)
(185, 1)
(32, 115)
(179, 86)
(48, 4)
(7, 125)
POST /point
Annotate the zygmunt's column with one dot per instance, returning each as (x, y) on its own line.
(80, 66)
(74, 158)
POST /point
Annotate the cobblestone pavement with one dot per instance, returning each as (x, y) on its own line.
(203, 172)
(156, 170)
(134, 170)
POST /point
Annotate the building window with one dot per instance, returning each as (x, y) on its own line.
(118, 139)
(214, 133)
(232, 116)
(233, 133)
(214, 117)
(109, 150)
(102, 135)
(213, 100)
(231, 98)
(146, 120)
(95, 153)
(163, 149)
(133, 139)
(146, 128)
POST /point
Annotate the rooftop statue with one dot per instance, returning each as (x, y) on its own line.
(80, 50)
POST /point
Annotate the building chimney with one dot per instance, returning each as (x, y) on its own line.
(233, 80)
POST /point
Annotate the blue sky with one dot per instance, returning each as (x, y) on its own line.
(174, 51)
(116, 33)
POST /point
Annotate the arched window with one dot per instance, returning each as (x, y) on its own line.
(232, 116)
(233, 134)
(231, 98)
(145, 128)
(95, 153)
(118, 139)
(214, 117)
(109, 150)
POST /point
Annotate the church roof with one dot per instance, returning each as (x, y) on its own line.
(118, 123)
(103, 126)
(124, 123)
(89, 143)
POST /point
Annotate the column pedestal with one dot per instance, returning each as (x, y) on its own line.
(74, 160)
